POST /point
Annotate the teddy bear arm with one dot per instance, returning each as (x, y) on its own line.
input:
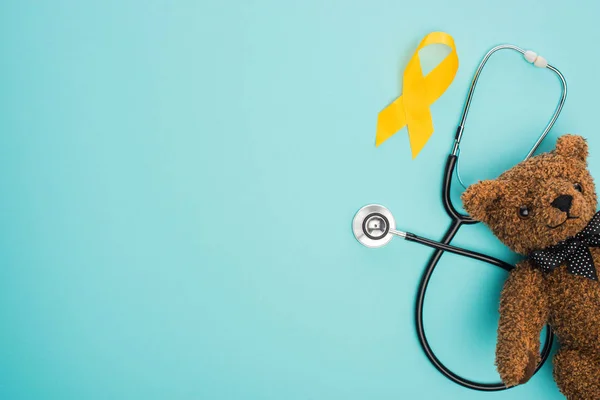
(523, 314)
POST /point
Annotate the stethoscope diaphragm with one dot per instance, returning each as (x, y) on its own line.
(372, 225)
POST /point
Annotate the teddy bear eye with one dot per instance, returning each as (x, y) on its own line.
(524, 212)
(578, 187)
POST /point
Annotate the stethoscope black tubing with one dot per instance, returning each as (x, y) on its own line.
(457, 250)
(458, 220)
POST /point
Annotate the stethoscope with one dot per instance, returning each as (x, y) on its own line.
(374, 225)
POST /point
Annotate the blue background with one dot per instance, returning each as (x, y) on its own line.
(178, 178)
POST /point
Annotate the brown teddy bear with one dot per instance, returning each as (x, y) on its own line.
(545, 208)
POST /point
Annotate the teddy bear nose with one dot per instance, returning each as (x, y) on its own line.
(563, 202)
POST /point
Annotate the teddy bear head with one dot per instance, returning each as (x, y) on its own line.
(540, 201)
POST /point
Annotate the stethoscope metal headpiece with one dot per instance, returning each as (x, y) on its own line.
(374, 225)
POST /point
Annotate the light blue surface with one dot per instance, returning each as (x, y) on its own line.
(177, 181)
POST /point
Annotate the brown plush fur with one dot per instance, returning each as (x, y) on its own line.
(531, 298)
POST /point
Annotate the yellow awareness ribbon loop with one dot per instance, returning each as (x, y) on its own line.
(419, 92)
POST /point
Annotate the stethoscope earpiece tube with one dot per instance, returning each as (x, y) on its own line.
(532, 58)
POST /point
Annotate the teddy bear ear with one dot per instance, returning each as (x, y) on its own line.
(480, 197)
(572, 146)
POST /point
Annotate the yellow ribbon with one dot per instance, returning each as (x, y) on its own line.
(419, 92)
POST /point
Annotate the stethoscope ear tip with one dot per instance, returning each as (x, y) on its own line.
(372, 225)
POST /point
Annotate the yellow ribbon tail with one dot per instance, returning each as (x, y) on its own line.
(418, 141)
(411, 109)
(389, 121)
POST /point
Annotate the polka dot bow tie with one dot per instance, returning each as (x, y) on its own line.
(574, 251)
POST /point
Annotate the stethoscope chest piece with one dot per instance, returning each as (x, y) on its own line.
(372, 225)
